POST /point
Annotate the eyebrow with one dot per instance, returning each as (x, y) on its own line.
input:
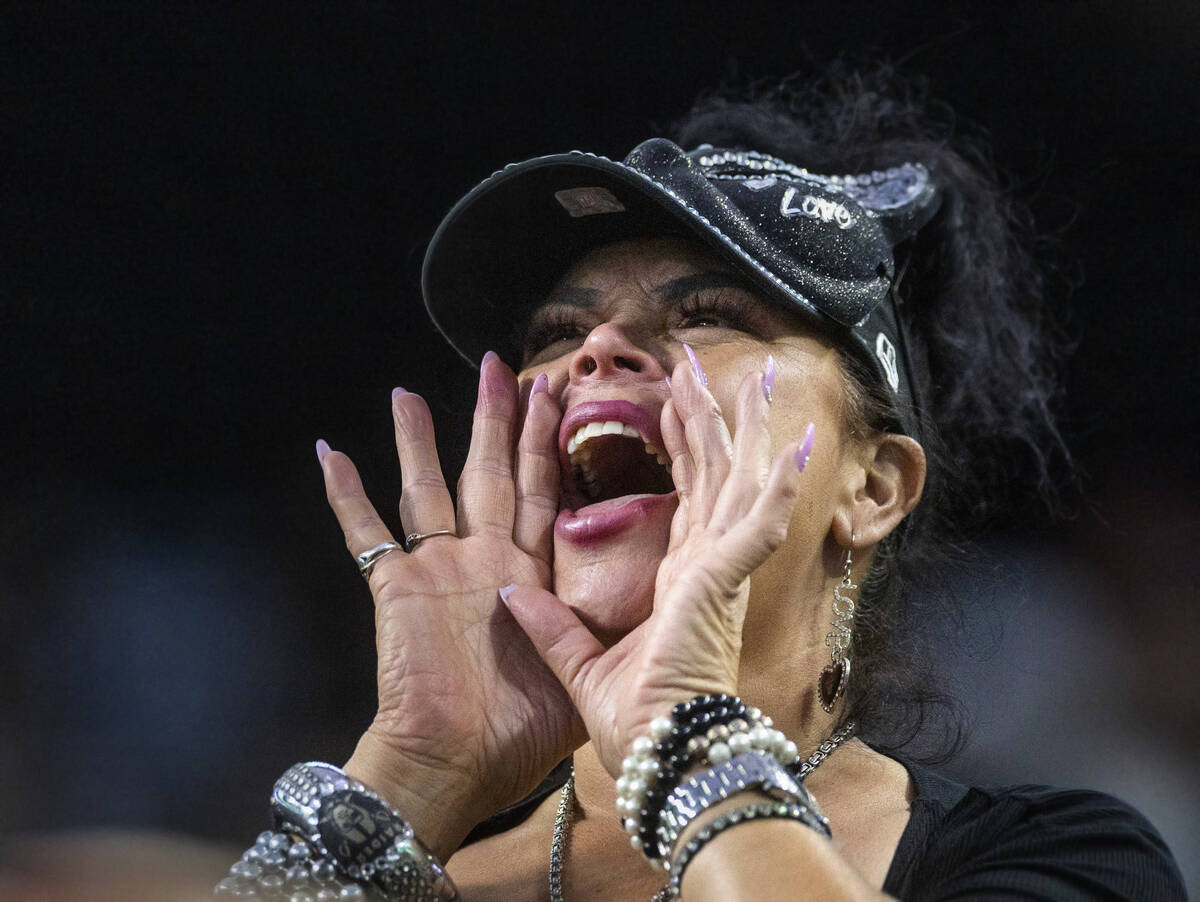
(574, 296)
(678, 289)
(671, 291)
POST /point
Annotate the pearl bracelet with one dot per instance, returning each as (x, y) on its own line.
(705, 731)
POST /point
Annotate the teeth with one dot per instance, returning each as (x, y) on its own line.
(607, 427)
(581, 455)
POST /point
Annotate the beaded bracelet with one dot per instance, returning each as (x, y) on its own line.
(721, 823)
(279, 867)
(707, 730)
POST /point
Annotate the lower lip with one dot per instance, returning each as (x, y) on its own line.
(607, 518)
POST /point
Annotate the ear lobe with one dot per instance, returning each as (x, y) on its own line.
(893, 487)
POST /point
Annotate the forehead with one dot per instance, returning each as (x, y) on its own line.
(652, 260)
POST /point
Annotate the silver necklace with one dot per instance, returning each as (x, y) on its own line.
(563, 819)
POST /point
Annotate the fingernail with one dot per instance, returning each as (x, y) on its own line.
(322, 449)
(769, 379)
(506, 591)
(540, 384)
(488, 358)
(696, 364)
(805, 449)
(397, 392)
(667, 379)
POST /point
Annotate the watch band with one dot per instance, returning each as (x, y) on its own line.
(751, 770)
(356, 829)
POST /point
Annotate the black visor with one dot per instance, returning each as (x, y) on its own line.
(821, 246)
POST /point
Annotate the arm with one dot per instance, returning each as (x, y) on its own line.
(469, 719)
(735, 506)
(767, 859)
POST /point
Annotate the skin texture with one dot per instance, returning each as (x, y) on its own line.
(480, 695)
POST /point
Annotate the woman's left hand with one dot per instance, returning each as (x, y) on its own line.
(735, 505)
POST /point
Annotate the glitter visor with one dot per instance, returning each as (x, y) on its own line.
(819, 245)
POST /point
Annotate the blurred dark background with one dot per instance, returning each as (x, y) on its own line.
(214, 216)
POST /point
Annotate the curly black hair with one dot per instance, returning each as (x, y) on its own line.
(973, 292)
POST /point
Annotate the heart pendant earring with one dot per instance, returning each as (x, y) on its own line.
(831, 684)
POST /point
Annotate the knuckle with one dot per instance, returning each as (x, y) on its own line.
(540, 500)
(429, 480)
(775, 534)
(492, 468)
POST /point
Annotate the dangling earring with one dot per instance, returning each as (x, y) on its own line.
(831, 684)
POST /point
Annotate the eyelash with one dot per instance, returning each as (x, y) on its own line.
(550, 326)
(731, 310)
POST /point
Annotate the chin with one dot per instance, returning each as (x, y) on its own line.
(610, 585)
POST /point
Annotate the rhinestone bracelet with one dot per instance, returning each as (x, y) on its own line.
(279, 868)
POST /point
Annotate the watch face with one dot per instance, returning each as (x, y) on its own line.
(357, 828)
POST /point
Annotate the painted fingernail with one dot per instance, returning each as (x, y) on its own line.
(540, 384)
(769, 379)
(322, 449)
(805, 449)
(506, 591)
(696, 364)
(488, 358)
(397, 392)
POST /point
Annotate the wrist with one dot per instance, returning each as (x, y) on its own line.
(737, 801)
(434, 801)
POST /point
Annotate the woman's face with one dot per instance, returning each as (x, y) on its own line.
(607, 337)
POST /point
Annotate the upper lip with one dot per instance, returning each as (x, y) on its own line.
(642, 418)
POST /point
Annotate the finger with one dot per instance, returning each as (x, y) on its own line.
(425, 503)
(707, 438)
(361, 525)
(683, 469)
(764, 528)
(751, 454)
(486, 493)
(562, 641)
(538, 478)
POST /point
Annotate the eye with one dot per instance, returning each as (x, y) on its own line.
(549, 328)
(715, 309)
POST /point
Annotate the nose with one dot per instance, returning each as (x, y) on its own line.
(609, 352)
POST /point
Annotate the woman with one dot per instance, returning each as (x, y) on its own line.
(725, 383)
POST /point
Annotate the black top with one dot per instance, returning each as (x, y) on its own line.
(1015, 842)
(1027, 842)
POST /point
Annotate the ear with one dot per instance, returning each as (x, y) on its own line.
(893, 481)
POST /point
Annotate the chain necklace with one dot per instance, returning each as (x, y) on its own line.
(563, 819)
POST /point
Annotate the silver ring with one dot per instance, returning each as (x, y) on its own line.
(413, 539)
(368, 559)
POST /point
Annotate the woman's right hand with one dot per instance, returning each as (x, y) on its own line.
(469, 718)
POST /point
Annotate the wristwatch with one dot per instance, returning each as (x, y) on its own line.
(751, 770)
(352, 826)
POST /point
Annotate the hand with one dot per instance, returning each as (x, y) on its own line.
(469, 718)
(734, 510)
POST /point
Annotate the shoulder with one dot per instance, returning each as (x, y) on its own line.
(1028, 841)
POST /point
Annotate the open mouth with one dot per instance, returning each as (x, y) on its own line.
(611, 450)
(611, 459)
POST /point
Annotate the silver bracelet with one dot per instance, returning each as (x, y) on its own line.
(282, 868)
(353, 827)
(802, 813)
(751, 770)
